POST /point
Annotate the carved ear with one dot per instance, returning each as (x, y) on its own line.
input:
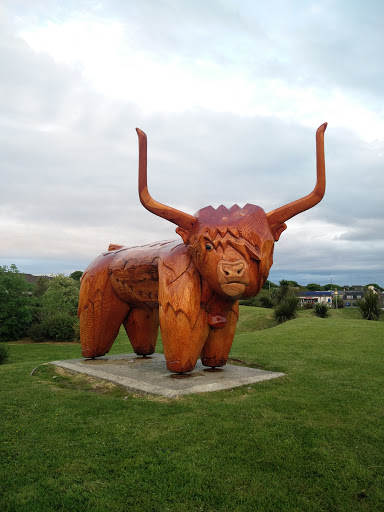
(184, 233)
(277, 230)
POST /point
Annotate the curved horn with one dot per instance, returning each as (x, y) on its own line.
(288, 211)
(176, 216)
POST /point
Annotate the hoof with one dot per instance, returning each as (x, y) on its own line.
(178, 367)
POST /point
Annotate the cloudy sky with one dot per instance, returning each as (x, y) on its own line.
(230, 94)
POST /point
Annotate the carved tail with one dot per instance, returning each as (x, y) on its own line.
(280, 215)
(178, 217)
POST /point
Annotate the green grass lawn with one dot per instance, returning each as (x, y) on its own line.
(310, 441)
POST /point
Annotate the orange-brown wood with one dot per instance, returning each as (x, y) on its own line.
(142, 327)
(190, 287)
(219, 342)
(101, 312)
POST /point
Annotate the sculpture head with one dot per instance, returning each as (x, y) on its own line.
(232, 248)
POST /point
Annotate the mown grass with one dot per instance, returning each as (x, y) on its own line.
(311, 441)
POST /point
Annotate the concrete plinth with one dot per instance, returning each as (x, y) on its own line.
(149, 375)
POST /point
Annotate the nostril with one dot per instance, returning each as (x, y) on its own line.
(239, 272)
(226, 272)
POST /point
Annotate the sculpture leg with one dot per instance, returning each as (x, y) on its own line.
(100, 312)
(142, 326)
(183, 322)
(182, 342)
(219, 342)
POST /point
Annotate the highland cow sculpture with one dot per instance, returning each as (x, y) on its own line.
(190, 287)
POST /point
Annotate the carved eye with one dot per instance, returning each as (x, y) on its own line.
(209, 247)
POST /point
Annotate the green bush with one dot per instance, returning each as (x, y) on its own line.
(263, 300)
(15, 313)
(287, 309)
(62, 296)
(370, 306)
(308, 305)
(58, 327)
(280, 294)
(37, 332)
(321, 310)
(248, 302)
(266, 301)
(4, 352)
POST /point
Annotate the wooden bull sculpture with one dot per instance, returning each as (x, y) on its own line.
(190, 287)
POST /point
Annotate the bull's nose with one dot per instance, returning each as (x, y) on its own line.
(233, 270)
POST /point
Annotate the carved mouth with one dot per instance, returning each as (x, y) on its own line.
(233, 289)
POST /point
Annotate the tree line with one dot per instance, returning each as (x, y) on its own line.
(45, 310)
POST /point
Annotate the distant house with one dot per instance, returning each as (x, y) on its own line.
(350, 297)
(33, 279)
(316, 298)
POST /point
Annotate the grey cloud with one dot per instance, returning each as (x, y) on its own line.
(328, 45)
(68, 161)
(365, 230)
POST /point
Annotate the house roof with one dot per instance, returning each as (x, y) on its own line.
(316, 294)
(30, 278)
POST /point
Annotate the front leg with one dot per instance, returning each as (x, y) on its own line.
(183, 323)
(219, 342)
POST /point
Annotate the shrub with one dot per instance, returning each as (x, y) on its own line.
(262, 300)
(321, 310)
(58, 327)
(37, 332)
(4, 352)
(279, 294)
(308, 305)
(266, 301)
(287, 309)
(248, 302)
(370, 306)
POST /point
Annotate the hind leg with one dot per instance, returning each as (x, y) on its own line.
(100, 312)
(142, 326)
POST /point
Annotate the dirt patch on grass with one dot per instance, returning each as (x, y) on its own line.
(61, 378)
(81, 380)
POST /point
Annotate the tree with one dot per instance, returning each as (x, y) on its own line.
(331, 286)
(15, 312)
(76, 275)
(268, 285)
(376, 286)
(41, 287)
(62, 296)
(314, 287)
(56, 318)
(294, 284)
